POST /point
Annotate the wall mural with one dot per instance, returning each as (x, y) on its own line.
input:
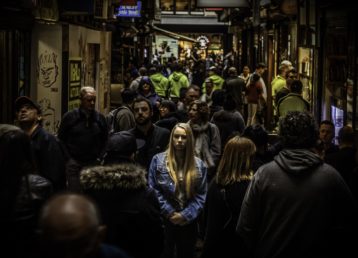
(47, 69)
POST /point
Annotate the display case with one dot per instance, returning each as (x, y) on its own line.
(305, 70)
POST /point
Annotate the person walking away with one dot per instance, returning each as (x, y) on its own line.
(254, 96)
(297, 205)
(235, 86)
(225, 195)
(128, 207)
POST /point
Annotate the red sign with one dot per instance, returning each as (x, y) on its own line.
(128, 2)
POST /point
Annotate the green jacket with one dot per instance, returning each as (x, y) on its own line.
(160, 83)
(218, 82)
(277, 84)
(292, 102)
(177, 80)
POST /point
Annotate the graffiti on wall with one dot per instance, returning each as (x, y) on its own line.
(49, 122)
(47, 69)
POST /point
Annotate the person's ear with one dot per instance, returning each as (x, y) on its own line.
(132, 156)
(102, 231)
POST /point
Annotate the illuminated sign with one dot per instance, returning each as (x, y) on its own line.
(129, 11)
(203, 42)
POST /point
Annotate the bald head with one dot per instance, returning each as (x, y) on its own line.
(70, 222)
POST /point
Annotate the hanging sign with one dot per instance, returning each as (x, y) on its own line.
(203, 42)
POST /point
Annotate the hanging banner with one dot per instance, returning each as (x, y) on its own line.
(74, 84)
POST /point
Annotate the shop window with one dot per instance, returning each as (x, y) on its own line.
(179, 7)
(339, 67)
(182, 5)
(167, 5)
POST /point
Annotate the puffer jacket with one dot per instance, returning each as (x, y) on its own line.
(128, 207)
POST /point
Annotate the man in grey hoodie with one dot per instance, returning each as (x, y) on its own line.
(297, 205)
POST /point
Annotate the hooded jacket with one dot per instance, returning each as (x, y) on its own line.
(177, 80)
(160, 83)
(128, 207)
(297, 206)
(218, 82)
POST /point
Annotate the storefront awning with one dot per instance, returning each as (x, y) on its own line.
(172, 34)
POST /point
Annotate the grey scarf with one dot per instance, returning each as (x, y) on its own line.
(202, 142)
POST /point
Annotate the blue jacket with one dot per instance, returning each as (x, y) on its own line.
(160, 180)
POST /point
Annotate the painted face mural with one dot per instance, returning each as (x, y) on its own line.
(47, 69)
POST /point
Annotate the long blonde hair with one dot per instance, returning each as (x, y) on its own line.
(190, 172)
(235, 164)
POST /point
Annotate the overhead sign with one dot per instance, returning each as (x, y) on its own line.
(129, 10)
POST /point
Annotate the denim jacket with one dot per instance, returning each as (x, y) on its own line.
(160, 180)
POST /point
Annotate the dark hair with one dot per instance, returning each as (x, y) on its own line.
(257, 134)
(326, 122)
(261, 65)
(169, 104)
(152, 70)
(141, 99)
(142, 71)
(298, 130)
(229, 102)
(182, 93)
(346, 134)
(296, 86)
(203, 109)
(218, 97)
(255, 77)
(128, 96)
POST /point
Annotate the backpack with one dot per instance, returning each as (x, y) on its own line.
(111, 119)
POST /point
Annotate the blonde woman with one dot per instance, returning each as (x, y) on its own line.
(225, 195)
(179, 180)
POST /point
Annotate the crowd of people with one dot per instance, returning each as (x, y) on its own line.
(181, 170)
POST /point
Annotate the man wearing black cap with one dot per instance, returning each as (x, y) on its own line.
(121, 148)
(46, 150)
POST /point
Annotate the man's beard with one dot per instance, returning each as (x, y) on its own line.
(144, 121)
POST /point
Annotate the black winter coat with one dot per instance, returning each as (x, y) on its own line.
(128, 207)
